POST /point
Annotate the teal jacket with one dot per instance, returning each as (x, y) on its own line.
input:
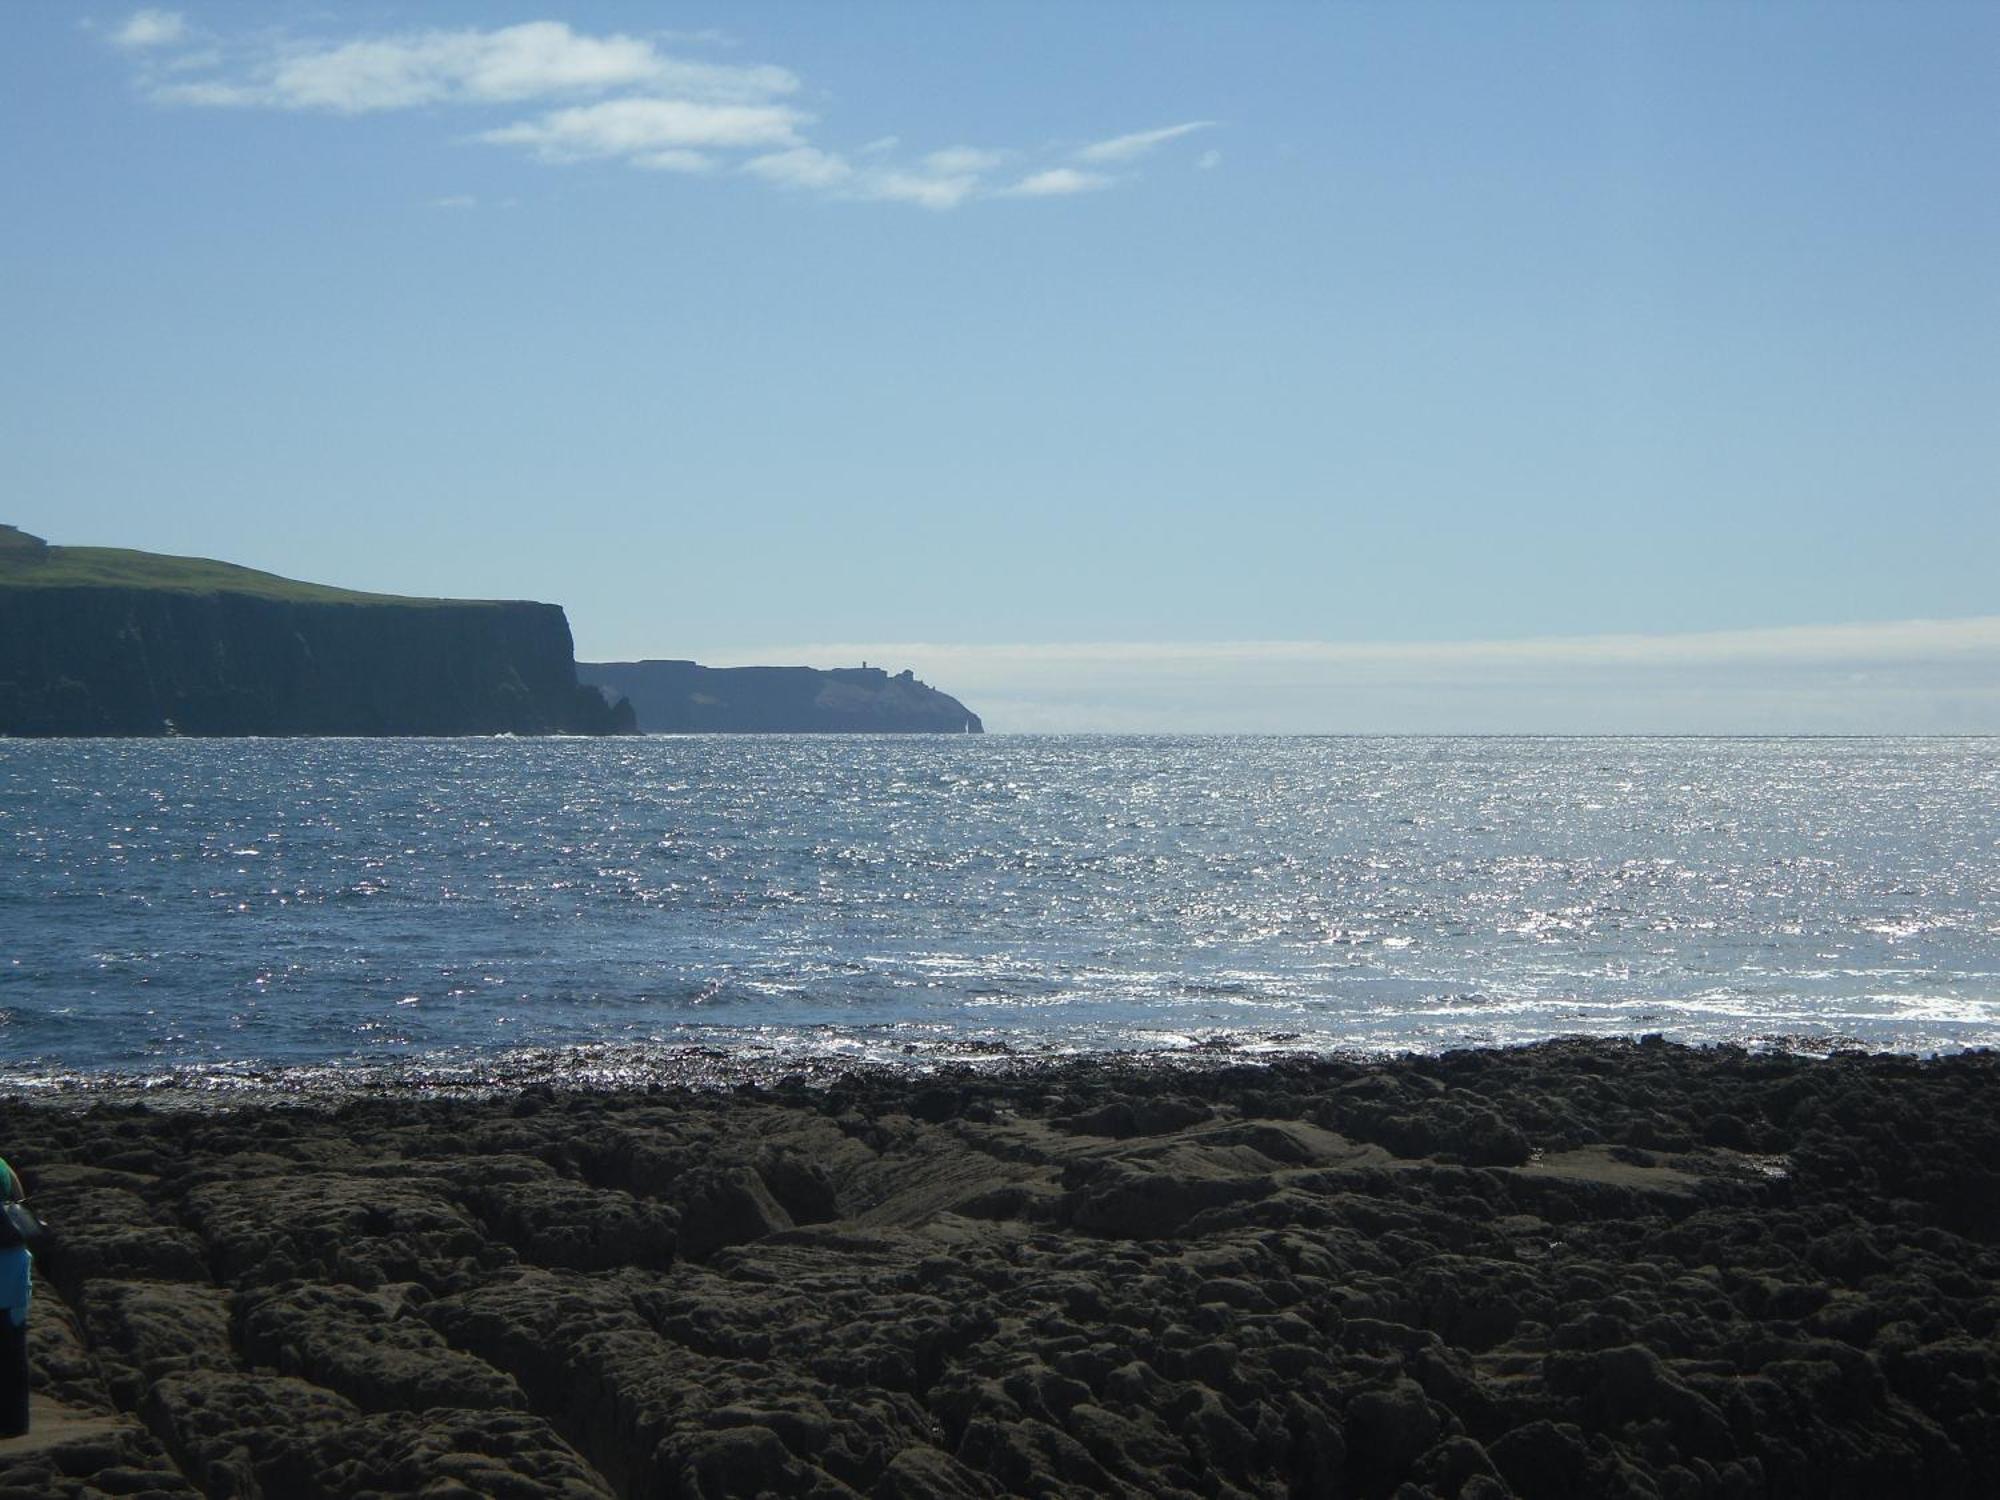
(16, 1285)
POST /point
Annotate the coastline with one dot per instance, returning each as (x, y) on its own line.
(1578, 1267)
(721, 1063)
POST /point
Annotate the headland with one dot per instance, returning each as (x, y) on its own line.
(109, 641)
(684, 697)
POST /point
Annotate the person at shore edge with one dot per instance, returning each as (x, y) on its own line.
(15, 1291)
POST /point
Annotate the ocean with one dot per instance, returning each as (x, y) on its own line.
(227, 913)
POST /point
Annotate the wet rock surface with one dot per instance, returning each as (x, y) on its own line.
(1578, 1269)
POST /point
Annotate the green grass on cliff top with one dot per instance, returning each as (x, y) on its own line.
(121, 568)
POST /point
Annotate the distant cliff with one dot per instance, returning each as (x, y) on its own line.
(102, 641)
(681, 697)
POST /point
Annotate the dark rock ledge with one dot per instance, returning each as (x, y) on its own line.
(1570, 1270)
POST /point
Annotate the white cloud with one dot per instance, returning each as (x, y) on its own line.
(151, 28)
(456, 200)
(635, 127)
(1208, 161)
(208, 93)
(806, 167)
(534, 60)
(922, 188)
(611, 97)
(519, 62)
(674, 161)
(1058, 182)
(801, 167)
(1123, 148)
(1913, 676)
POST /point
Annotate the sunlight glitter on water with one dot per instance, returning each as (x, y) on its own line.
(1053, 894)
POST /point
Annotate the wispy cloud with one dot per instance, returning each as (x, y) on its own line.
(535, 60)
(1911, 676)
(926, 189)
(802, 167)
(1057, 182)
(1125, 148)
(674, 159)
(151, 28)
(932, 184)
(640, 129)
(610, 97)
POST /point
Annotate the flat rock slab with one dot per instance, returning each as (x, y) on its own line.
(1572, 1270)
(53, 1425)
(74, 1454)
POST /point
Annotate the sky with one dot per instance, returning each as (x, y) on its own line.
(1290, 368)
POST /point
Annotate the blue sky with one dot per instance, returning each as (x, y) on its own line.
(1103, 345)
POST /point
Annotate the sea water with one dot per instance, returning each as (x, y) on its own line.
(220, 909)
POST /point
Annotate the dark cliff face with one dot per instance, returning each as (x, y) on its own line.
(682, 697)
(118, 661)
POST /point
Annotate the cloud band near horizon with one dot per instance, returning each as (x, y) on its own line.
(1907, 676)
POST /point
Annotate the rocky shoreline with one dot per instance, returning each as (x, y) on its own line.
(1575, 1269)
